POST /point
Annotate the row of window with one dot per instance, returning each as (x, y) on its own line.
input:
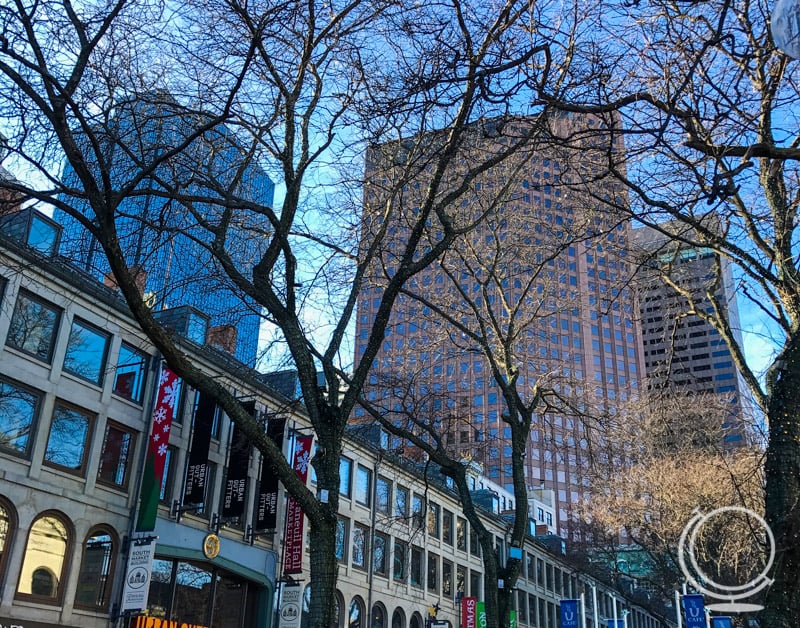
(71, 430)
(34, 330)
(49, 552)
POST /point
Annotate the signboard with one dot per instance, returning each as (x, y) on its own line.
(481, 610)
(469, 612)
(720, 622)
(569, 613)
(233, 501)
(694, 611)
(267, 498)
(194, 491)
(155, 622)
(291, 609)
(293, 558)
(137, 576)
(7, 622)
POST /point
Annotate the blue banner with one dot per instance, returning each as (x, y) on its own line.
(720, 622)
(616, 623)
(569, 614)
(694, 611)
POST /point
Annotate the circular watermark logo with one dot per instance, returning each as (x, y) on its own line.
(703, 583)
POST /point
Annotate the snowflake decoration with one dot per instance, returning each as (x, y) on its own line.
(156, 437)
(162, 450)
(164, 377)
(301, 463)
(165, 429)
(159, 415)
(171, 393)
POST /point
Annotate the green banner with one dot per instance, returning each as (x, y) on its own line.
(512, 619)
(481, 612)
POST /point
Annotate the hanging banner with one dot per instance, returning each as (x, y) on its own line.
(267, 498)
(169, 387)
(469, 612)
(694, 611)
(720, 622)
(293, 544)
(480, 611)
(197, 473)
(569, 613)
(137, 576)
(291, 606)
(233, 501)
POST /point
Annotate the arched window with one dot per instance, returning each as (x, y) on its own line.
(355, 618)
(97, 568)
(398, 618)
(8, 523)
(378, 616)
(339, 609)
(416, 621)
(46, 558)
(305, 611)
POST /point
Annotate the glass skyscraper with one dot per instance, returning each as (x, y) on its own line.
(161, 237)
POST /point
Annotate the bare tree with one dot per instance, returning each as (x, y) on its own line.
(303, 87)
(706, 104)
(653, 467)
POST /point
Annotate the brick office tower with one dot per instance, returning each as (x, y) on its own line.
(544, 271)
(685, 355)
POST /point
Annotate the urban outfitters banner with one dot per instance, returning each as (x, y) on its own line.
(293, 559)
(197, 474)
(236, 476)
(267, 499)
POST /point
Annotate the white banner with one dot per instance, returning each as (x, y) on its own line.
(290, 606)
(137, 576)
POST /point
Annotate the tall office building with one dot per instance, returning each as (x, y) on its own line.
(159, 236)
(683, 353)
(549, 262)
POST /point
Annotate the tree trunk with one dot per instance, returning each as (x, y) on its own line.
(782, 499)
(324, 570)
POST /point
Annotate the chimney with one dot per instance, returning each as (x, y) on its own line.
(139, 278)
(223, 337)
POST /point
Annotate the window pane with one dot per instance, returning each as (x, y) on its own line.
(363, 485)
(86, 352)
(5, 534)
(130, 375)
(341, 539)
(66, 446)
(447, 527)
(379, 553)
(43, 236)
(416, 566)
(43, 564)
(164, 495)
(461, 534)
(94, 585)
(18, 409)
(401, 502)
(433, 520)
(417, 511)
(433, 572)
(114, 457)
(383, 492)
(359, 546)
(33, 327)
(399, 562)
(192, 584)
(345, 470)
(158, 599)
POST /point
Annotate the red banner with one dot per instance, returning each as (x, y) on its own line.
(293, 542)
(169, 388)
(469, 612)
